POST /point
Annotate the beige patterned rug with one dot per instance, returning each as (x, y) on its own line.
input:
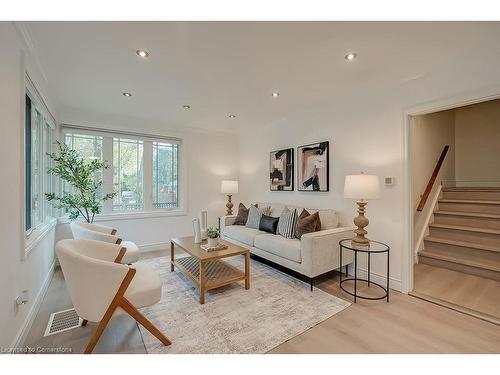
(276, 308)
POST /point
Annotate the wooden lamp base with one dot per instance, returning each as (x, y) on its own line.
(361, 222)
(229, 205)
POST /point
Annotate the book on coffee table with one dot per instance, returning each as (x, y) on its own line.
(220, 246)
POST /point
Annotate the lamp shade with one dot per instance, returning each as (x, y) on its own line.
(229, 187)
(362, 186)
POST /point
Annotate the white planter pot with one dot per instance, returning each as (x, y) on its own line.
(212, 242)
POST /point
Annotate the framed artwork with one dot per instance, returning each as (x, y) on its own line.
(281, 170)
(313, 167)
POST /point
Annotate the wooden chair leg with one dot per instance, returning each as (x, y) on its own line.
(109, 312)
(141, 319)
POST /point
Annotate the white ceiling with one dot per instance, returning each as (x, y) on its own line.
(221, 68)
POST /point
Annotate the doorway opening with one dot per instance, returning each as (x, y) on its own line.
(455, 198)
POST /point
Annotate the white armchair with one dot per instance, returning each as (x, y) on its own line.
(100, 286)
(86, 231)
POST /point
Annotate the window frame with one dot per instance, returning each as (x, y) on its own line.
(47, 220)
(148, 210)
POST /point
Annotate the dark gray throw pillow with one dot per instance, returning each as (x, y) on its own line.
(268, 224)
(242, 217)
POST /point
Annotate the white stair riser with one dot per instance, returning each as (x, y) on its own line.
(467, 236)
(470, 207)
(467, 221)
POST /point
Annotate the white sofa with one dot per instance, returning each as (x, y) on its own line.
(313, 255)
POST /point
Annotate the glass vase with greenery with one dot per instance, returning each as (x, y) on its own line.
(85, 197)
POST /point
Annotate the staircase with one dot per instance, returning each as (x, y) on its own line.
(465, 234)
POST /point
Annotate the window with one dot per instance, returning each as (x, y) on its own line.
(165, 170)
(144, 171)
(38, 139)
(128, 174)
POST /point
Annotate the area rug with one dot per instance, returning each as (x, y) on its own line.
(276, 308)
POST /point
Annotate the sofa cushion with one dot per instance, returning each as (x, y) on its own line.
(242, 234)
(280, 246)
(329, 218)
(287, 223)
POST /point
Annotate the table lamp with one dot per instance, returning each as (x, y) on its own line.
(229, 187)
(361, 187)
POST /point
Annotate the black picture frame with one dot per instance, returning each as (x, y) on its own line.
(281, 178)
(315, 182)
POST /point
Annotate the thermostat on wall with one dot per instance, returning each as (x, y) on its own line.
(388, 181)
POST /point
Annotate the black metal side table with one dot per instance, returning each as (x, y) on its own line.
(374, 247)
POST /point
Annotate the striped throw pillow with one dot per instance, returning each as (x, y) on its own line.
(254, 215)
(287, 223)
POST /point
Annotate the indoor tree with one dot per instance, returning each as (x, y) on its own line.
(85, 199)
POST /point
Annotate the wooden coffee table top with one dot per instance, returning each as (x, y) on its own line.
(194, 249)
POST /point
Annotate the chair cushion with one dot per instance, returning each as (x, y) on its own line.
(242, 234)
(132, 253)
(145, 288)
(280, 246)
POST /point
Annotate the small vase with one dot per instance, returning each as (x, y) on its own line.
(213, 242)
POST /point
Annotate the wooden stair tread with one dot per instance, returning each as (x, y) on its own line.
(462, 244)
(493, 188)
(469, 201)
(458, 308)
(464, 228)
(469, 214)
(464, 259)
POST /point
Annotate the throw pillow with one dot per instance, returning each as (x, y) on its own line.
(268, 224)
(242, 217)
(307, 223)
(254, 215)
(287, 223)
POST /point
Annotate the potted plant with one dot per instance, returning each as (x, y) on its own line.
(85, 198)
(213, 235)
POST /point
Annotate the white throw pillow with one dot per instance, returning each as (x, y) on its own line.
(287, 223)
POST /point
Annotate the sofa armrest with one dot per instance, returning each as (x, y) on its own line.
(321, 250)
(226, 221)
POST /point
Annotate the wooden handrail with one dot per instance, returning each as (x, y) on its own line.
(435, 173)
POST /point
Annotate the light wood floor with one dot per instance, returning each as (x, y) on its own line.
(404, 325)
(472, 292)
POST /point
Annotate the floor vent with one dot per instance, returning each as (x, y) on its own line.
(61, 321)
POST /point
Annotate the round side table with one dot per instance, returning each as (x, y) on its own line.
(374, 247)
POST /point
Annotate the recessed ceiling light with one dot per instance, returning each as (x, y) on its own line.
(127, 94)
(275, 94)
(186, 106)
(232, 116)
(142, 53)
(350, 56)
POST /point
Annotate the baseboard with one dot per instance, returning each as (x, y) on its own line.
(394, 284)
(30, 318)
(154, 247)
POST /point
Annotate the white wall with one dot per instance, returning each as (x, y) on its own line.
(16, 274)
(209, 157)
(477, 135)
(366, 133)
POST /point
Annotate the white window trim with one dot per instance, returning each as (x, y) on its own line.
(32, 237)
(180, 210)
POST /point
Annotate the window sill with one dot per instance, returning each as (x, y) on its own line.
(131, 215)
(37, 235)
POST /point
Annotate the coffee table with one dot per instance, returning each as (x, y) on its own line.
(206, 269)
